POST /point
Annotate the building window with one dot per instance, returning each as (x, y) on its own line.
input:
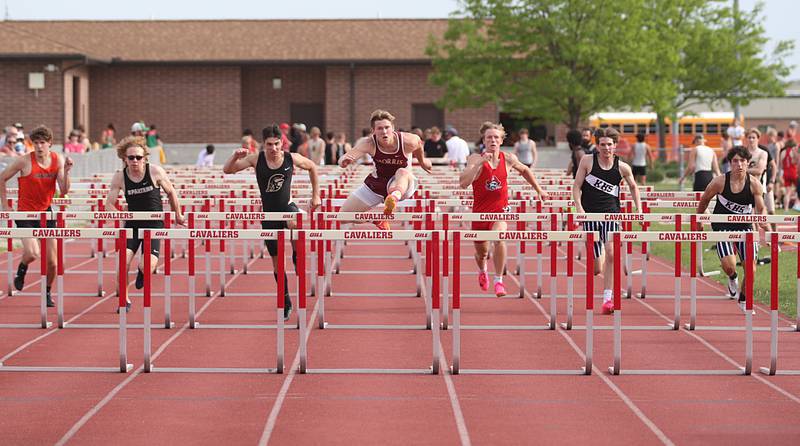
(426, 116)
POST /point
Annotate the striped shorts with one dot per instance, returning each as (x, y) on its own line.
(725, 249)
(603, 227)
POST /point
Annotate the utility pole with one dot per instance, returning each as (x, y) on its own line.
(737, 112)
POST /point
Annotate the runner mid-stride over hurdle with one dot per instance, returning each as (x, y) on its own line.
(274, 169)
(392, 179)
(596, 189)
(488, 174)
(141, 184)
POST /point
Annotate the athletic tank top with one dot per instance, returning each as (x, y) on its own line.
(730, 203)
(275, 185)
(576, 161)
(789, 166)
(386, 165)
(490, 188)
(36, 189)
(144, 195)
(524, 152)
(704, 156)
(639, 151)
(600, 189)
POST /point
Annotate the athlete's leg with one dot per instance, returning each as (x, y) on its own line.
(354, 204)
(499, 260)
(402, 186)
(30, 250)
(607, 261)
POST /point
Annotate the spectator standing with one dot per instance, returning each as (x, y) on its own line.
(206, 157)
(435, 147)
(108, 137)
(316, 147)
(457, 148)
(525, 149)
(736, 132)
(329, 151)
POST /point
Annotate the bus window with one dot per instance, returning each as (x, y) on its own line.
(651, 128)
(724, 128)
(687, 129)
(628, 128)
(604, 126)
(615, 126)
(698, 128)
(712, 129)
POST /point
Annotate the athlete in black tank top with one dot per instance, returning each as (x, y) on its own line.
(746, 201)
(275, 186)
(600, 188)
(142, 195)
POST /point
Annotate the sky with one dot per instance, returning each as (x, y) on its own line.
(782, 16)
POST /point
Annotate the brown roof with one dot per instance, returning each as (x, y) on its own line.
(401, 40)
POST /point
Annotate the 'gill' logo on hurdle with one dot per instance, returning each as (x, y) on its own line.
(267, 234)
(161, 233)
(5, 233)
(629, 236)
(105, 233)
(470, 235)
(315, 234)
(576, 236)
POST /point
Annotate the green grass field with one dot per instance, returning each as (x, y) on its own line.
(787, 261)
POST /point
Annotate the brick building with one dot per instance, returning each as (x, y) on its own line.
(205, 81)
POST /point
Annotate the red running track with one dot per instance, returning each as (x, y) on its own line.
(182, 408)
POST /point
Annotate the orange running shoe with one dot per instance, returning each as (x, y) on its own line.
(383, 225)
(389, 204)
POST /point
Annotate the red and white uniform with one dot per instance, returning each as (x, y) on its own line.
(36, 189)
(490, 192)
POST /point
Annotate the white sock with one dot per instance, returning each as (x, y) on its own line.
(483, 270)
(498, 279)
(607, 296)
(397, 194)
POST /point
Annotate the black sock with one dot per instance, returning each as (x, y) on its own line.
(294, 259)
(734, 276)
(22, 269)
(48, 289)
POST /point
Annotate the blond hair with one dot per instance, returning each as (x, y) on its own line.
(493, 126)
(131, 141)
(380, 115)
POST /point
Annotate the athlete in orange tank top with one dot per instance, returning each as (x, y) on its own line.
(38, 175)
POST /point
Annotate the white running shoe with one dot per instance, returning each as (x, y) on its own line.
(733, 286)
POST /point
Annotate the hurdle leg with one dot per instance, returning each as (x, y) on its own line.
(124, 367)
(629, 270)
(100, 291)
(222, 274)
(796, 325)
(520, 259)
(587, 368)
(147, 341)
(10, 272)
(456, 340)
(644, 276)
(521, 269)
(539, 275)
(207, 274)
(614, 370)
(748, 348)
(553, 305)
(167, 301)
(321, 301)
(60, 299)
(426, 296)
(570, 303)
(43, 299)
(247, 245)
(436, 342)
(676, 323)
(192, 322)
(692, 304)
(773, 344)
(280, 343)
(328, 286)
(301, 320)
(232, 257)
(445, 303)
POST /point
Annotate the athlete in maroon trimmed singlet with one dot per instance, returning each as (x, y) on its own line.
(488, 174)
(392, 180)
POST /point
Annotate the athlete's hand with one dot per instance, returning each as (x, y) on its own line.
(544, 196)
(315, 203)
(67, 164)
(180, 220)
(240, 153)
(427, 166)
(345, 161)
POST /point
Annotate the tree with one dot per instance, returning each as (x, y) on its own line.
(560, 60)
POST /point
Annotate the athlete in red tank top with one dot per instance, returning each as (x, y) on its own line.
(488, 174)
(392, 180)
(38, 175)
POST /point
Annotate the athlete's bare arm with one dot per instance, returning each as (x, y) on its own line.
(365, 146)
(12, 169)
(513, 162)
(161, 179)
(113, 192)
(413, 144)
(64, 166)
(627, 175)
(584, 167)
(240, 160)
(715, 164)
(758, 197)
(713, 189)
(690, 166)
(473, 169)
(569, 167)
(759, 163)
(306, 164)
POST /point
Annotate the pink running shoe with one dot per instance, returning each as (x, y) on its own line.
(499, 289)
(483, 280)
(608, 307)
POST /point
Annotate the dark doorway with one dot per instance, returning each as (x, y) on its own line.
(536, 128)
(426, 116)
(76, 102)
(312, 115)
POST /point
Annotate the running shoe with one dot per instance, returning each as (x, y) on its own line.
(733, 286)
(50, 303)
(389, 204)
(499, 289)
(127, 306)
(483, 280)
(139, 279)
(19, 278)
(383, 225)
(743, 305)
(608, 307)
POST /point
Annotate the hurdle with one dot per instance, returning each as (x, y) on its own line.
(43, 217)
(60, 233)
(222, 234)
(674, 237)
(373, 235)
(553, 237)
(432, 297)
(776, 238)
